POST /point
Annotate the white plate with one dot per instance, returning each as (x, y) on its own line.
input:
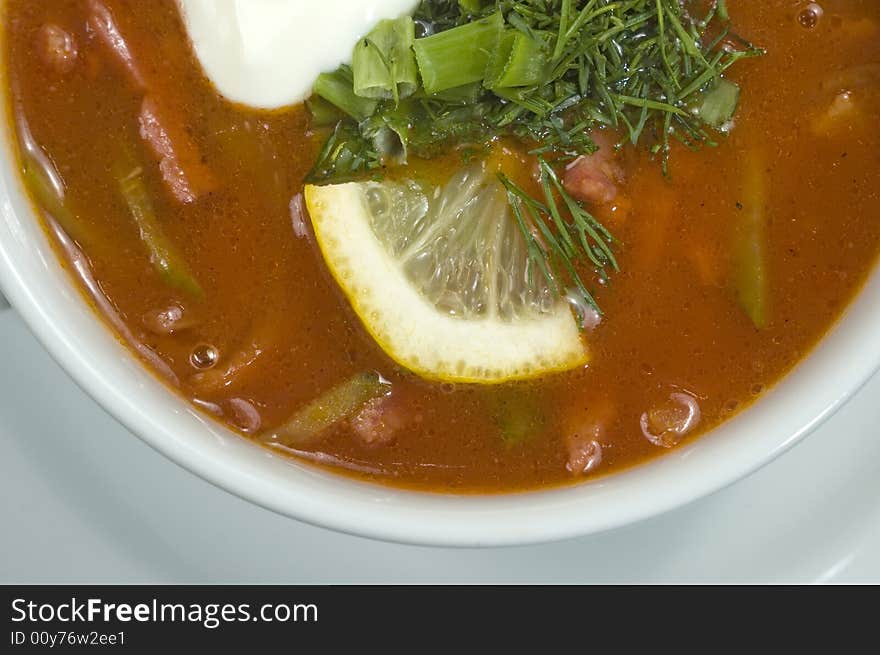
(84, 501)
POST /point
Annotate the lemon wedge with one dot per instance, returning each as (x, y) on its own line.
(441, 278)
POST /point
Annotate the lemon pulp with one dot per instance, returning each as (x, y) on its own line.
(441, 278)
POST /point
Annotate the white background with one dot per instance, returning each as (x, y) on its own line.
(82, 500)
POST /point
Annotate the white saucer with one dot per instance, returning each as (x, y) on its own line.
(85, 501)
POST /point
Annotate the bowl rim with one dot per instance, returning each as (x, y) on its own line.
(47, 298)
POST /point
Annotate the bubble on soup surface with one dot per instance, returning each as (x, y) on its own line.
(810, 15)
(666, 424)
(204, 357)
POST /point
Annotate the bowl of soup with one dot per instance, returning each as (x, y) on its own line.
(454, 273)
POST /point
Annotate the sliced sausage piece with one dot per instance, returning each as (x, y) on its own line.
(381, 419)
(244, 414)
(163, 130)
(584, 431)
(168, 320)
(844, 99)
(58, 48)
(106, 29)
(180, 161)
(595, 178)
(584, 454)
(668, 422)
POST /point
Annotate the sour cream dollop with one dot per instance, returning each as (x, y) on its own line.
(268, 53)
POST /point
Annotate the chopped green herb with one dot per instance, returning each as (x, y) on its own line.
(518, 61)
(345, 155)
(547, 72)
(337, 88)
(650, 68)
(719, 104)
(559, 236)
(323, 113)
(383, 64)
(458, 56)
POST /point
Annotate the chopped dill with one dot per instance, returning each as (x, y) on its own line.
(553, 242)
(547, 72)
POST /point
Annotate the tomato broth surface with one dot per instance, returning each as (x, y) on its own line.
(272, 330)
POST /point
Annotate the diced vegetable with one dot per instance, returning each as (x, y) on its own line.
(164, 256)
(337, 88)
(517, 414)
(338, 404)
(719, 104)
(458, 56)
(383, 63)
(180, 159)
(750, 275)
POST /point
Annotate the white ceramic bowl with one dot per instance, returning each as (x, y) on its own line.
(45, 296)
